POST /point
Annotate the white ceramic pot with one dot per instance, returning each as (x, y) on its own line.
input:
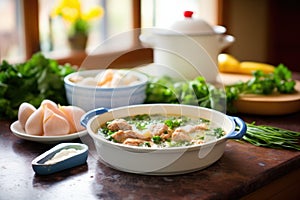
(160, 161)
(188, 48)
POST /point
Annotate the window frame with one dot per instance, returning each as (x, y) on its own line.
(31, 27)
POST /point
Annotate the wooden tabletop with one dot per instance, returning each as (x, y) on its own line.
(242, 169)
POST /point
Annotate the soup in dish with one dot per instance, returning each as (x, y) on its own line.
(160, 131)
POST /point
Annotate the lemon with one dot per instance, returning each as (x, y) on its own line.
(228, 63)
(249, 67)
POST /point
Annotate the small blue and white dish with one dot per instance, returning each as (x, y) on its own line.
(60, 157)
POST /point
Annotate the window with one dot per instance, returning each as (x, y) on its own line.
(119, 17)
(163, 13)
(11, 39)
(53, 35)
(30, 27)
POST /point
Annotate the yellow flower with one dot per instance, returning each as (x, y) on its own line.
(70, 4)
(65, 4)
(94, 12)
(71, 11)
(70, 14)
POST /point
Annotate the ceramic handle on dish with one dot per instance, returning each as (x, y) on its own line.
(87, 116)
(242, 129)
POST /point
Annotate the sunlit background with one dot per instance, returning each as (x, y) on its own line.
(117, 19)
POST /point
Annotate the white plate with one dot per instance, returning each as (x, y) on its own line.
(18, 131)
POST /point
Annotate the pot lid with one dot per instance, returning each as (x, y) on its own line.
(192, 26)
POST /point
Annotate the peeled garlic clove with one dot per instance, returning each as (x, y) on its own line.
(25, 110)
(49, 103)
(34, 123)
(117, 80)
(48, 106)
(88, 81)
(52, 106)
(73, 114)
(104, 77)
(76, 79)
(54, 124)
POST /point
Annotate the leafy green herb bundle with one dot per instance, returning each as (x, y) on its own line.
(193, 92)
(33, 81)
(199, 92)
(280, 81)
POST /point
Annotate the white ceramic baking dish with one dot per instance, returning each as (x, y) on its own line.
(161, 161)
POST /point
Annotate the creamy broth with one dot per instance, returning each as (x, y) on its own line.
(160, 131)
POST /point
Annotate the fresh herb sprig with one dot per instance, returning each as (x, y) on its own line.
(268, 136)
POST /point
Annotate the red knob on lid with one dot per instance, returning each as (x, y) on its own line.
(188, 14)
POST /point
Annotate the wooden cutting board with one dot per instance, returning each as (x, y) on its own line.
(274, 104)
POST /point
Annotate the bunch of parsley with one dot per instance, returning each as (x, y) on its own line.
(33, 81)
(280, 81)
(199, 92)
(190, 92)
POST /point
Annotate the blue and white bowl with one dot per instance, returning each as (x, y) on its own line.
(91, 97)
